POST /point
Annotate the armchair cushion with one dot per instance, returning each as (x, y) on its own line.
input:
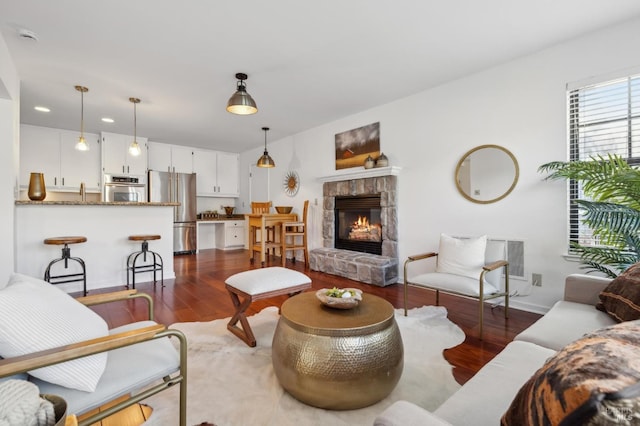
(128, 369)
(461, 256)
(621, 298)
(34, 316)
(453, 283)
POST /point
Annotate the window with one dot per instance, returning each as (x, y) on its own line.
(604, 119)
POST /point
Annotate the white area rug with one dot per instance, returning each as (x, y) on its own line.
(232, 384)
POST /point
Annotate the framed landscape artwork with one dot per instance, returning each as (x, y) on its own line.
(354, 146)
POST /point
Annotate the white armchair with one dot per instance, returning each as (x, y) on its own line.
(52, 340)
(469, 267)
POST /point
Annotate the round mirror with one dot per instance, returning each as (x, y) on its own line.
(487, 174)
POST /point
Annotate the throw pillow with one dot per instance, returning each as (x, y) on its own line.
(461, 256)
(597, 375)
(621, 298)
(35, 315)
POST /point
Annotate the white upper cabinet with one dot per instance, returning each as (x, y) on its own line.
(181, 159)
(159, 156)
(76, 166)
(217, 173)
(165, 157)
(116, 158)
(228, 172)
(52, 152)
(204, 164)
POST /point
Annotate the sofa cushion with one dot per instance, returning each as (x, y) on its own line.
(580, 380)
(481, 401)
(34, 316)
(621, 298)
(576, 320)
(461, 256)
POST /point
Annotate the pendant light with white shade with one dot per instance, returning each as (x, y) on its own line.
(265, 160)
(241, 102)
(82, 145)
(134, 148)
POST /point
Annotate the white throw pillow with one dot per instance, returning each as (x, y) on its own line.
(34, 316)
(461, 256)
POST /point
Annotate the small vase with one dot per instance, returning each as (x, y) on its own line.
(37, 190)
(382, 161)
(368, 163)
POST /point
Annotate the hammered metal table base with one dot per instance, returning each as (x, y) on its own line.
(337, 359)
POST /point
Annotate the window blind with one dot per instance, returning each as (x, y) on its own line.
(603, 119)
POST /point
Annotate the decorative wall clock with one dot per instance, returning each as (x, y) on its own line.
(291, 183)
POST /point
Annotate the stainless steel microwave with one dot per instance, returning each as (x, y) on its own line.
(124, 189)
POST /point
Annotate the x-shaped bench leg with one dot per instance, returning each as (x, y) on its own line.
(244, 333)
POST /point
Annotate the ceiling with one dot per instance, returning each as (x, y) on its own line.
(308, 63)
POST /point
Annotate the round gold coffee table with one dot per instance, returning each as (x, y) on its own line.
(337, 359)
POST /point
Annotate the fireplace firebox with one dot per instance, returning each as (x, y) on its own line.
(357, 223)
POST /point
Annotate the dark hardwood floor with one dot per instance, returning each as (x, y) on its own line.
(197, 294)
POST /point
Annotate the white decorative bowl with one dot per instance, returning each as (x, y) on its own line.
(340, 302)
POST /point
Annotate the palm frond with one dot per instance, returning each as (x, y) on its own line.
(614, 223)
(596, 267)
(607, 259)
(603, 179)
(613, 211)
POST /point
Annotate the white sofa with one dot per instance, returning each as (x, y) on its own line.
(487, 395)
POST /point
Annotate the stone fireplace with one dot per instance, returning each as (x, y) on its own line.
(355, 260)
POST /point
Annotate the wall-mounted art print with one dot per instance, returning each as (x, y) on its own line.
(354, 146)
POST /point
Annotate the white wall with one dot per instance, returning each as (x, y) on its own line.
(9, 157)
(520, 105)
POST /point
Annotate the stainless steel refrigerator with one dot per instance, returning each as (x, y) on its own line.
(169, 187)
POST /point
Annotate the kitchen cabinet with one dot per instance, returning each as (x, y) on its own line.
(167, 157)
(217, 173)
(233, 235)
(116, 158)
(181, 159)
(52, 152)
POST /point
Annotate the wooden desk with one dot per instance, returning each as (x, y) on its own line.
(262, 221)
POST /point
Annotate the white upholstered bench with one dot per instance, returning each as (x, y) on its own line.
(245, 287)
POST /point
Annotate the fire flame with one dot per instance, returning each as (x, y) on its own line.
(362, 222)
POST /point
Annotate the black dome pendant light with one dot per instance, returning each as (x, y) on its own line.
(241, 102)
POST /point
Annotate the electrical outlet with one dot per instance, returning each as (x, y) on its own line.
(536, 280)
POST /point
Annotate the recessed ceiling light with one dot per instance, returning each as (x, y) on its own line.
(27, 34)
(42, 109)
(107, 119)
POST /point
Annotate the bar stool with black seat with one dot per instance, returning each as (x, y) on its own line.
(155, 265)
(66, 257)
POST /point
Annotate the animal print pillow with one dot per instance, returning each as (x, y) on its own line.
(587, 382)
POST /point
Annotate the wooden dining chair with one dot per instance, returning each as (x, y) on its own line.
(263, 207)
(293, 237)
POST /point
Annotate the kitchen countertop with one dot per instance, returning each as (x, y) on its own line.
(223, 218)
(91, 203)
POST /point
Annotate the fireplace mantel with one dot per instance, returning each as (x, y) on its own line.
(361, 173)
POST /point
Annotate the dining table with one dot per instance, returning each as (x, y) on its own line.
(262, 221)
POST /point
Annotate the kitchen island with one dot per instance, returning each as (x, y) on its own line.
(107, 227)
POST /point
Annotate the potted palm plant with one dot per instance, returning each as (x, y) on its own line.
(611, 209)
